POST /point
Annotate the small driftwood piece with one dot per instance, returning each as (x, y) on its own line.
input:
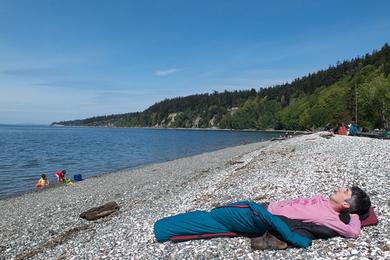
(100, 212)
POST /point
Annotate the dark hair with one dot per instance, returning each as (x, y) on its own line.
(43, 176)
(359, 203)
(63, 171)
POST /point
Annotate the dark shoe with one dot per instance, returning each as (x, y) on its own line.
(267, 241)
(100, 212)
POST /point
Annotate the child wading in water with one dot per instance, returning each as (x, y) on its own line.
(42, 182)
(60, 175)
(61, 178)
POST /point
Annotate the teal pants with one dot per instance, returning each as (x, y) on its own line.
(244, 217)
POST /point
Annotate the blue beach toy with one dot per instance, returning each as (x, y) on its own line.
(77, 177)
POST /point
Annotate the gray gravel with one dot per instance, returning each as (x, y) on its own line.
(45, 225)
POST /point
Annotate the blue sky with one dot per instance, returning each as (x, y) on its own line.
(63, 60)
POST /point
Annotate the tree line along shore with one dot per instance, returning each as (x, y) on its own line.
(358, 88)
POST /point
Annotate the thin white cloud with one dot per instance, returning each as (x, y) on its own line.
(165, 72)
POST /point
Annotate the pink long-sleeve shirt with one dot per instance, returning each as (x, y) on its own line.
(317, 210)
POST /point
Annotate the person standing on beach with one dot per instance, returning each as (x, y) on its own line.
(42, 182)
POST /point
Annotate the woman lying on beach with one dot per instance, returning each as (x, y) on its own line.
(323, 217)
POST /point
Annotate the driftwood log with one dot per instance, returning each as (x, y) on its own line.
(101, 211)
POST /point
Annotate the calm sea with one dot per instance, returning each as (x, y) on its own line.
(26, 152)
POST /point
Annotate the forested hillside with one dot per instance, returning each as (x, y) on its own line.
(356, 88)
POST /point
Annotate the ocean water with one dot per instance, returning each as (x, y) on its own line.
(26, 152)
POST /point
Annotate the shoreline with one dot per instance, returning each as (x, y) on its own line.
(301, 166)
(31, 188)
(195, 129)
(55, 185)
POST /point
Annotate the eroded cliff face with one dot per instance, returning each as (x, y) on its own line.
(171, 119)
(167, 122)
(196, 122)
(212, 122)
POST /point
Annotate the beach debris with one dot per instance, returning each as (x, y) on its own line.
(260, 198)
(326, 135)
(68, 234)
(101, 211)
(386, 247)
(279, 138)
(235, 162)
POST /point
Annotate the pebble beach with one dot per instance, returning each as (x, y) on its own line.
(46, 224)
